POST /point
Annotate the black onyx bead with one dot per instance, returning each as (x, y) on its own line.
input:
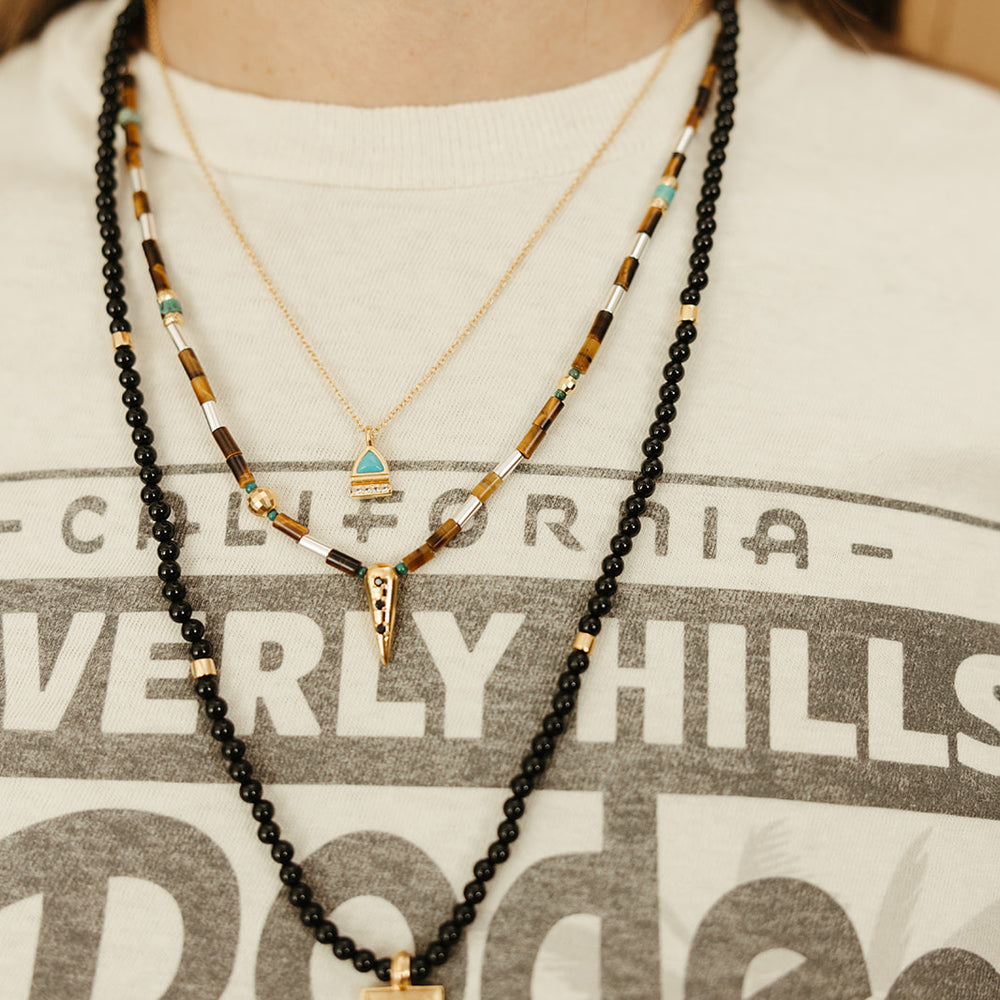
(643, 487)
(263, 810)
(133, 399)
(498, 853)
(629, 526)
(290, 874)
(652, 468)
(599, 605)
(206, 688)
(180, 611)
(521, 786)
(697, 279)
(145, 455)
(222, 730)
(163, 531)
(437, 953)
(666, 412)
(449, 932)
(300, 895)
(543, 746)
(420, 968)
(149, 474)
(673, 372)
(240, 771)
(652, 448)
(142, 436)
(659, 430)
(620, 545)
(577, 662)
(635, 506)
(343, 948)
(200, 650)
(691, 296)
(563, 703)
(712, 175)
(589, 624)
(116, 308)
(718, 156)
(462, 914)
(728, 90)
(613, 565)
(136, 416)
(250, 791)
(168, 571)
(282, 852)
(474, 892)
(150, 494)
(166, 550)
(125, 359)
(158, 511)
(383, 969)
(507, 832)
(192, 630)
(680, 352)
(233, 749)
(311, 915)
(364, 960)
(606, 586)
(216, 708)
(553, 725)
(326, 933)
(484, 870)
(172, 591)
(568, 681)
(513, 808)
(129, 378)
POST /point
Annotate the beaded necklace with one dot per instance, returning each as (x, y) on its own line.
(402, 970)
(370, 476)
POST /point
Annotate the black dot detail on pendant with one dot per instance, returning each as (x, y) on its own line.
(380, 605)
(380, 629)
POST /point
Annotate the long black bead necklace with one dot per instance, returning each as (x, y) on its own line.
(543, 746)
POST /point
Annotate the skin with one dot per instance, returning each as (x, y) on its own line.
(391, 52)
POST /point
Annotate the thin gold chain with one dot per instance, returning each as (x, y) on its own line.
(156, 45)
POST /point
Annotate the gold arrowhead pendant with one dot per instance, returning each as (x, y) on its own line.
(382, 588)
(400, 972)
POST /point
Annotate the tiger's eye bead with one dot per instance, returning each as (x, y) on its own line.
(261, 501)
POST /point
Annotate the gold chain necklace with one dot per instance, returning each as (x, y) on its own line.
(370, 471)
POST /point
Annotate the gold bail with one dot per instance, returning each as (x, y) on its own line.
(382, 589)
(399, 970)
(369, 436)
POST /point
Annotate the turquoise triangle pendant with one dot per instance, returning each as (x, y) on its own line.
(370, 473)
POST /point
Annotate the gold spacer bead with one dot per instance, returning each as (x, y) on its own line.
(167, 293)
(567, 383)
(261, 501)
(169, 318)
(670, 180)
(688, 312)
(205, 667)
(658, 203)
(121, 338)
(584, 641)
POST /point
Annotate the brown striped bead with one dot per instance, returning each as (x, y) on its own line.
(486, 486)
(701, 101)
(132, 136)
(133, 157)
(153, 256)
(244, 478)
(225, 441)
(587, 353)
(140, 202)
(238, 466)
(709, 75)
(418, 557)
(191, 364)
(548, 413)
(128, 97)
(443, 535)
(345, 563)
(675, 165)
(627, 272)
(202, 390)
(600, 325)
(648, 226)
(531, 441)
(289, 526)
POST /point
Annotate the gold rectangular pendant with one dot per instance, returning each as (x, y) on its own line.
(423, 992)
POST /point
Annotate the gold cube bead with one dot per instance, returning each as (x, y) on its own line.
(121, 338)
(567, 383)
(262, 501)
(204, 667)
(688, 312)
(584, 641)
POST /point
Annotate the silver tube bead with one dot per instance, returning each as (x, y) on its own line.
(468, 509)
(137, 179)
(507, 466)
(686, 136)
(214, 423)
(148, 226)
(310, 543)
(177, 336)
(617, 294)
(641, 242)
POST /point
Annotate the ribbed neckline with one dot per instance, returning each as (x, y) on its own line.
(456, 145)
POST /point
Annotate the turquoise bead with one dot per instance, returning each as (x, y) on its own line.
(129, 116)
(666, 192)
(401, 569)
(170, 306)
(361, 571)
(250, 487)
(574, 373)
(272, 514)
(369, 462)
(559, 394)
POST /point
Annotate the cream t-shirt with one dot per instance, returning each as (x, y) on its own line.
(781, 780)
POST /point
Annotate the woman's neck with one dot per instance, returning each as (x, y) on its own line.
(390, 52)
